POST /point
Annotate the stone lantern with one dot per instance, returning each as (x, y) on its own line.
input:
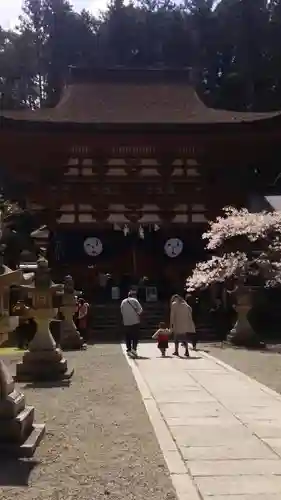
(43, 360)
(70, 337)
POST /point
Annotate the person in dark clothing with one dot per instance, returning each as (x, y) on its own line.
(25, 332)
(32, 329)
(82, 321)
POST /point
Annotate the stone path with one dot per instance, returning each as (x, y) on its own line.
(219, 430)
(264, 365)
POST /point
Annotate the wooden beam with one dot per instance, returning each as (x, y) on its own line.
(124, 197)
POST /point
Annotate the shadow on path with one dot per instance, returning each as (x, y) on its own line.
(16, 472)
(188, 358)
(47, 385)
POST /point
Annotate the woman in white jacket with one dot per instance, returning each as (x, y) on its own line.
(181, 323)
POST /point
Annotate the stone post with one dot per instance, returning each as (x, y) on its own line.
(43, 360)
(70, 337)
(19, 435)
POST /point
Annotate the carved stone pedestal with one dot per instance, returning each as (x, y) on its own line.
(43, 361)
(242, 333)
(70, 337)
(42, 366)
(19, 436)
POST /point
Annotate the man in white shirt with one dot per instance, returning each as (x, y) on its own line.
(131, 311)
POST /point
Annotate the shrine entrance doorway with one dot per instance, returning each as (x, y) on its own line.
(163, 257)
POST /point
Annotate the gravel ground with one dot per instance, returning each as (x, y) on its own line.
(264, 366)
(99, 442)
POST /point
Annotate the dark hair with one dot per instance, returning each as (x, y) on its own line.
(162, 324)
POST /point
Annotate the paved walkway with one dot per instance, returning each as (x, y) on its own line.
(219, 430)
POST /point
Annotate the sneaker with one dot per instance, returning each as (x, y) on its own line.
(134, 353)
(186, 354)
(175, 353)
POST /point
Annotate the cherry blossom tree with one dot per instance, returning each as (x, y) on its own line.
(246, 244)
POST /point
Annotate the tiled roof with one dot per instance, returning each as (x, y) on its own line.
(134, 101)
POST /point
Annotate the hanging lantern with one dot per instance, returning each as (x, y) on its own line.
(141, 232)
(126, 230)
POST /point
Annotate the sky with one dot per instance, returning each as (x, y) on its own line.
(11, 9)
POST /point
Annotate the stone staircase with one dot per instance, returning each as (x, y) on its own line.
(106, 321)
(106, 324)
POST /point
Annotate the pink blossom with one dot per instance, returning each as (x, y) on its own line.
(253, 226)
(217, 270)
(256, 227)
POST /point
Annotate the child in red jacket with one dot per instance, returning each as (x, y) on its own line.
(162, 336)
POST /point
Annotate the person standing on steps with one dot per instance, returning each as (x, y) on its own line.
(131, 311)
(83, 311)
(181, 323)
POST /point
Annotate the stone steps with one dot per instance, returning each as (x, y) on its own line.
(106, 322)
